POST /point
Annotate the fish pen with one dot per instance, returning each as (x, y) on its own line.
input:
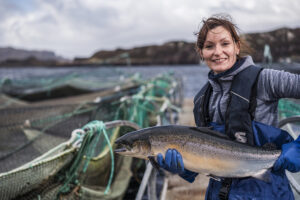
(56, 146)
(289, 119)
(57, 136)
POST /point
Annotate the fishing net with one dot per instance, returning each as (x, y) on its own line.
(289, 116)
(41, 87)
(38, 156)
(288, 108)
(29, 131)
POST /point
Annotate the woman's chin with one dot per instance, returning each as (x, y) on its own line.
(220, 68)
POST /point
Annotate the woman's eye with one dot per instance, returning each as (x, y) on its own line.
(226, 43)
(208, 46)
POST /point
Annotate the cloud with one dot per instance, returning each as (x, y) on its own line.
(81, 27)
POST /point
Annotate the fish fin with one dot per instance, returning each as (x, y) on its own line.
(265, 176)
(214, 177)
(153, 162)
(269, 146)
(209, 131)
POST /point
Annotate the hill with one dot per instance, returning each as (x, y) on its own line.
(11, 56)
(284, 43)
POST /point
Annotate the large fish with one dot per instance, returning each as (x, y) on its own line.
(203, 150)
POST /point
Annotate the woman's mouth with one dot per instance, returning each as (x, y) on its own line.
(219, 60)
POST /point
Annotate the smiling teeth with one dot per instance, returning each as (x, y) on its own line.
(219, 60)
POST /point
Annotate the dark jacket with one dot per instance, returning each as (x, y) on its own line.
(271, 86)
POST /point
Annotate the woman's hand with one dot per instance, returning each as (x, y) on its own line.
(289, 158)
(173, 163)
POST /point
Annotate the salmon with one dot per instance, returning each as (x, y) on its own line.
(203, 150)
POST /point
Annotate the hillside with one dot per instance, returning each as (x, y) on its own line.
(284, 43)
(11, 56)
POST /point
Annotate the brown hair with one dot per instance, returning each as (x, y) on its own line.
(226, 22)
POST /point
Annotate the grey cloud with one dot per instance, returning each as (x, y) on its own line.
(76, 28)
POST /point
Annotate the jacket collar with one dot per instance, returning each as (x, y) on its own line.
(236, 65)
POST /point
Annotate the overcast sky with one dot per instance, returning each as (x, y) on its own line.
(81, 27)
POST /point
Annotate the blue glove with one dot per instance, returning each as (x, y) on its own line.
(173, 163)
(289, 158)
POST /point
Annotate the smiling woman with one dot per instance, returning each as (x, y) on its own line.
(240, 100)
(220, 50)
(218, 43)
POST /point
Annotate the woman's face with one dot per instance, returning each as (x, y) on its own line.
(219, 50)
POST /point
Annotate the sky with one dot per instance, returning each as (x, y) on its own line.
(79, 28)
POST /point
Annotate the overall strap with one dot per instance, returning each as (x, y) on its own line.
(225, 188)
(242, 103)
(201, 103)
(240, 113)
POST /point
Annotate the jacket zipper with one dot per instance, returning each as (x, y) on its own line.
(219, 103)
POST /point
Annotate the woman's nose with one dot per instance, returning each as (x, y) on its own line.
(218, 50)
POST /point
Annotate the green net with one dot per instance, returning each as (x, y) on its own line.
(50, 87)
(288, 108)
(38, 160)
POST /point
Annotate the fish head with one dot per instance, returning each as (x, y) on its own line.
(135, 148)
(140, 143)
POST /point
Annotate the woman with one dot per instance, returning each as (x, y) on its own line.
(240, 100)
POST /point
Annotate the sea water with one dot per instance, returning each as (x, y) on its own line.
(194, 76)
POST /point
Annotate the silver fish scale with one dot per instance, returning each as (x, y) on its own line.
(204, 150)
(247, 160)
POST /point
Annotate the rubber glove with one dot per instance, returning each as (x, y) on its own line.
(173, 163)
(289, 158)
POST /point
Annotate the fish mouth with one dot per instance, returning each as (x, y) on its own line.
(123, 149)
(120, 150)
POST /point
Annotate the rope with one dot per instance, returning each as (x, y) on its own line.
(93, 132)
(139, 105)
(98, 127)
(138, 108)
(47, 123)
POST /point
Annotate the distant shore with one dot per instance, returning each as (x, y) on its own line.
(283, 44)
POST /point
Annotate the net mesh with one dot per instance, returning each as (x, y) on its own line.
(288, 108)
(35, 155)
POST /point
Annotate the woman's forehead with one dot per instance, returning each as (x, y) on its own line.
(218, 33)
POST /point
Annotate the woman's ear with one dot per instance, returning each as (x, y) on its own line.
(238, 45)
(201, 54)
